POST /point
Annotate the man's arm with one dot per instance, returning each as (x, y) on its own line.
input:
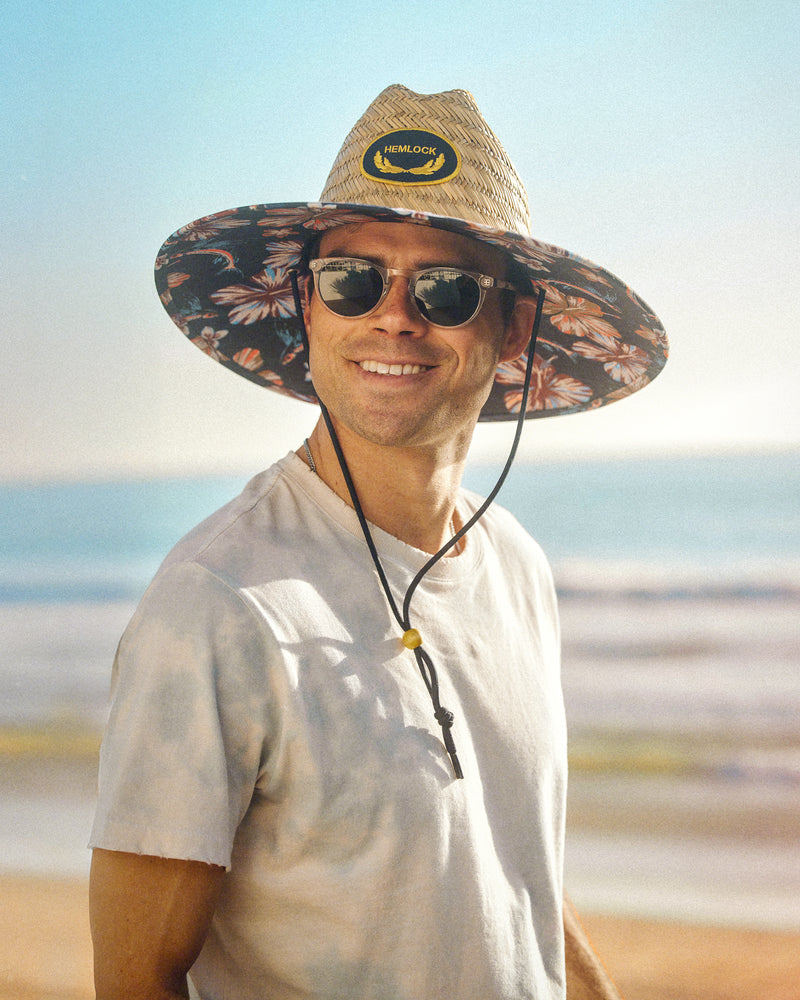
(149, 917)
(586, 977)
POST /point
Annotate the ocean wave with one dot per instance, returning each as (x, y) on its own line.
(754, 579)
(73, 581)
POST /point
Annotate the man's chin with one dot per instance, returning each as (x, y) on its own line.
(389, 429)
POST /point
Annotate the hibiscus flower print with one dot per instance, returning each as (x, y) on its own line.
(623, 362)
(249, 358)
(272, 377)
(594, 276)
(291, 353)
(657, 336)
(208, 341)
(213, 225)
(269, 295)
(309, 216)
(285, 254)
(538, 255)
(577, 316)
(325, 216)
(549, 390)
(177, 278)
(289, 218)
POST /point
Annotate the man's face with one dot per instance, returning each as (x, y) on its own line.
(446, 373)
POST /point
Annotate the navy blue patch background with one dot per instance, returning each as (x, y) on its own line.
(408, 160)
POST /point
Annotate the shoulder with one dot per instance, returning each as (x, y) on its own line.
(231, 522)
(259, 529)
(205, 575)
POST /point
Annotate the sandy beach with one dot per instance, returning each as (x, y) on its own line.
(45, 951)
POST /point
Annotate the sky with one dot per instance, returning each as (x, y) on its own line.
(659, 139)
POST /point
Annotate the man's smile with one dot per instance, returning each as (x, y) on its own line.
(382, 368)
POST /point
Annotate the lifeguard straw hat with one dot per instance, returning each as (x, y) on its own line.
(431, 160)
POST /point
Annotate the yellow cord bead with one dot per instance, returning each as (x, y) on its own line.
(412, 639)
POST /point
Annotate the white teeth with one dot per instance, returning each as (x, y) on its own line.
(378, 367)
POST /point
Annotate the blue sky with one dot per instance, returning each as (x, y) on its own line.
(658, 139)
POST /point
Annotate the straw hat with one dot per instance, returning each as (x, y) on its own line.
(429, 160)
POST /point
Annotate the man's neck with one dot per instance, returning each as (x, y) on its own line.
(409, 492)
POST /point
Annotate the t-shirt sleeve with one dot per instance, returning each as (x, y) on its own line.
(188, 732)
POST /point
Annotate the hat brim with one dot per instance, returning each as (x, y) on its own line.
(224, 280)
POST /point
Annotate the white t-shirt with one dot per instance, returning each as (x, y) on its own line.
(267, 718)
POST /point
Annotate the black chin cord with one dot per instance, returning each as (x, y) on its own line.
(411, 638)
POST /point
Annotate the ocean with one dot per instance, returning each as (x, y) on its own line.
(679, 588)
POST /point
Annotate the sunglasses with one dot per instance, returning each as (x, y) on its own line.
(444, 296)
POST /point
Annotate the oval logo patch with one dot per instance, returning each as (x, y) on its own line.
(410, 156)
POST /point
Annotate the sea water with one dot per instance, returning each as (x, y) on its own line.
(679, 587)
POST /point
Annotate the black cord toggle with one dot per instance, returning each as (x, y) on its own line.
(444, 717)
(445, 720)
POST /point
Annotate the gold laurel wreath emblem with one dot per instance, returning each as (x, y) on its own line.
(387, 167)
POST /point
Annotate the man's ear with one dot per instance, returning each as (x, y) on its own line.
(517, 333)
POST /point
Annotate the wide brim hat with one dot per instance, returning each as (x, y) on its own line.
(430, 160)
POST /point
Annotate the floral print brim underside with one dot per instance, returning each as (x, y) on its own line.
(224, 280)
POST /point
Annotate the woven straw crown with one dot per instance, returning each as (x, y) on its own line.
(487, 188)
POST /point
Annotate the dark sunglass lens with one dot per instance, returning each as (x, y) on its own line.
(447, 298)
(349, 289)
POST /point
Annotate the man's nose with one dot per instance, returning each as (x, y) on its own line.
(397, 314)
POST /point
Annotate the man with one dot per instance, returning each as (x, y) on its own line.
(335, 764)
